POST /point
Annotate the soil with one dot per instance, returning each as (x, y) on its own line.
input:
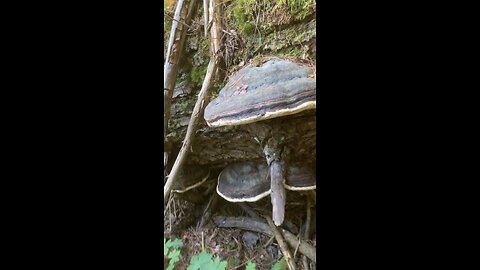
(234, 245)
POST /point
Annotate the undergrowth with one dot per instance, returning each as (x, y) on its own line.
(204, 260)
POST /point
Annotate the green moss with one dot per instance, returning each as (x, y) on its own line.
(243, 15)
(248, 15)
(290, 41)
(184, 105)
(197, 75)
(268, 26)
(298, 8)
(217, 86)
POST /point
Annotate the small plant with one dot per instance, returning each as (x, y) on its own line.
(172, 251)
(251, 266)
(204, 261)
(280, 265)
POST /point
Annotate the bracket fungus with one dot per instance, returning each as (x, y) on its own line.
(300, 179)
(275, 89)
(244, 182)
(249, 181)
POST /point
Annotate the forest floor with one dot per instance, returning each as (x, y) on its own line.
(236, 246)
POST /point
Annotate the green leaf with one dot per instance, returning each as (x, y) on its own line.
(200, 261)
(204, 261)
(251, 266)
(174, 244)
(218, 265)
(174, 257)
(280, 265)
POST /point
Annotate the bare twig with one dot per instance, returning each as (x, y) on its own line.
(209, 209)
(306, 234)
(305, 262)
(296, 248)
(252, 224)
(269, 241)
(283, 246)
(173, 19)
(197, 112)
(251, 212)
(183, 13)
(205, 16)
(308, 220)
(278, 196)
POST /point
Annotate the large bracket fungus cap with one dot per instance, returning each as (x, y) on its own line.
(246, 181)
(277, 88)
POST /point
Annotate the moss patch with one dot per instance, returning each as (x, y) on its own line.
(250, 15)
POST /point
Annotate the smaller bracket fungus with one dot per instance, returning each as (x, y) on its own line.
(249, 181)
(246, 181)
(300, 179)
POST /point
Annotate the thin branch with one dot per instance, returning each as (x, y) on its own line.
(256, 225)
(306, 234)
(183, 12)
(173, 19)
(205, 16)
(283, 246)
(197, 111)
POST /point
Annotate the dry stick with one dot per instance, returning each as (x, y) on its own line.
(209, 209)
(278, 195)
(307, 232)
(214, 17)
(308, 220)
(199, 105)
(184, 24)
(251, 212)
(205, 16)
(252, 224)
(170, 70)
(197, 111)
(269, 242)
(283, 246)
